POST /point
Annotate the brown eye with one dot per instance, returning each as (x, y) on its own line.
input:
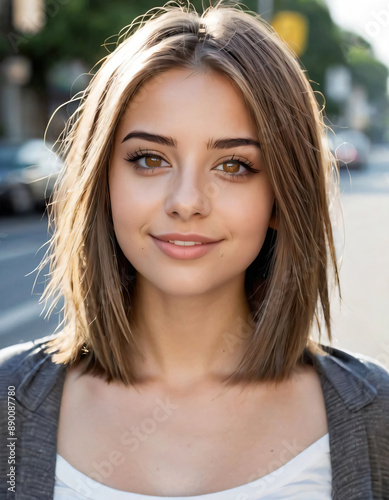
(231, 167)
(153, 161)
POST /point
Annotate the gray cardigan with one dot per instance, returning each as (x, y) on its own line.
(355, 388)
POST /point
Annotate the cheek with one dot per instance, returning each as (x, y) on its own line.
(120, 190)
(133, 206)
(248, 219)
(248, 214)
(130, 193)
(123, 207)
(128, 202)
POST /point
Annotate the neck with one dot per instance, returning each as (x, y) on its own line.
(192, 339)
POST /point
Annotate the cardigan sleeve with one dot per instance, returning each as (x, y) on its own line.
(11, 358)
(377, 423)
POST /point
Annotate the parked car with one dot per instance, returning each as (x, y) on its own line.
(28, 172)
(350, 147)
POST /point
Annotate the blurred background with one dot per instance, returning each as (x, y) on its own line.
(48, 48)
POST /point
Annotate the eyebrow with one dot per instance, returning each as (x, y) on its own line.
(169, 141)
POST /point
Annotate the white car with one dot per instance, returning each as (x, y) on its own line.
(28, 172)
(350, 147)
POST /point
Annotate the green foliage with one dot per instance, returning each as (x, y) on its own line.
(324, 43)
(328, 45)
(78, 29)
(367, 71)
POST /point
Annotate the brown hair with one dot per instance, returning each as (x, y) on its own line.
(287, 285)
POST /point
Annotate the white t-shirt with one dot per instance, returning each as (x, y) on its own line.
(306, 477)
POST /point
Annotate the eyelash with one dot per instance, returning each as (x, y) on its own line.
(134, 157)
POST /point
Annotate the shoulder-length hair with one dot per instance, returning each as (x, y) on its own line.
(287, 286)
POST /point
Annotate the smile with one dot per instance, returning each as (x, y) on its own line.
(184, 250)
(185, 243)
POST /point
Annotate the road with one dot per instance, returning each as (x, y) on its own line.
(23, 242)
(360, 325)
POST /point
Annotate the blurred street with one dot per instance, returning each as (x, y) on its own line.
(362, 324)
(21, 240)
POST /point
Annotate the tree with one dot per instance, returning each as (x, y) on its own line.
(328, 45)
(87, 29)
(75, 29)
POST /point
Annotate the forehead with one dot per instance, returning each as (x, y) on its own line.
(182, 100)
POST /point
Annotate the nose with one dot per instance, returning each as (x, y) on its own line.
(187, 195)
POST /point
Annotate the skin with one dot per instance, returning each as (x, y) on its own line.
(185, 308)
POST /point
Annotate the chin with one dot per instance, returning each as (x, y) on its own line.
(186, 283)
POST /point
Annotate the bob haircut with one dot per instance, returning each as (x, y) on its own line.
(287, 286)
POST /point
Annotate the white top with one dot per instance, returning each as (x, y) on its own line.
(306, 477)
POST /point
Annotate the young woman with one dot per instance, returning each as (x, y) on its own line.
(193, 246)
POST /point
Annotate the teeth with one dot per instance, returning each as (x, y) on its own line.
(185, 243)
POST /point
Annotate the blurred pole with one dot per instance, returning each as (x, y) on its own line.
(17, 72)
(266, 9)
(5, 16)
(19, 19)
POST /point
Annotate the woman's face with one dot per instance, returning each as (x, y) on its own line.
(188, 179)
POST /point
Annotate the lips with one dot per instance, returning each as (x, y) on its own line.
(185, 237)
(184, 252)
